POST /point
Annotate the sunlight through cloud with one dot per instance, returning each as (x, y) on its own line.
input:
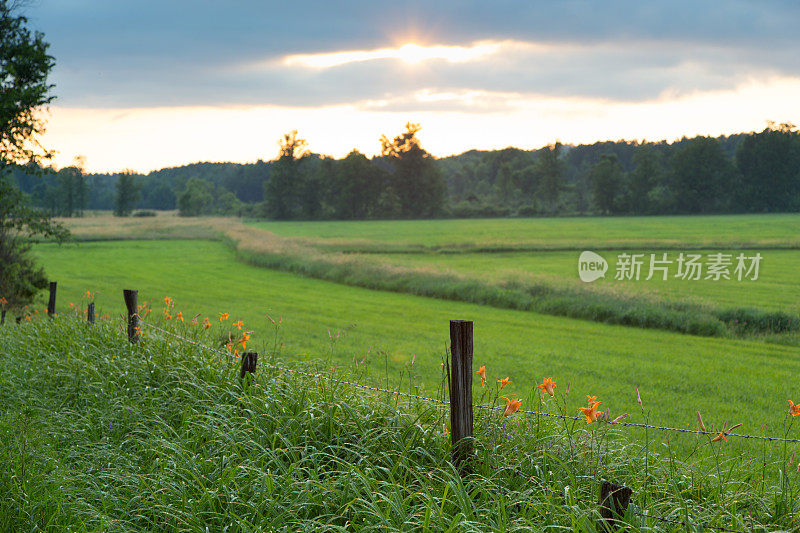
(409, 53)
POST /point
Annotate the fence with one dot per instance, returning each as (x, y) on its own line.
(614, 499)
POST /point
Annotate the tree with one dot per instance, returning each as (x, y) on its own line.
(282, 190)
(359, 184)
(606, 178)
(196, 198)
(702, 176)
(769, 163)
(645, 176)
(72, 189)
(24, 67)
(415, 178)
(550, 175)
(128, 193)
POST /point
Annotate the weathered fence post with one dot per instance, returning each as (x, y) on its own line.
(90, 313)
(51, 304)
(614, 500)
(249, 361)
(2, 317)
(460, 384)
(132, 303)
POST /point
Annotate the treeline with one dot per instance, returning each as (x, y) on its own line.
(755, 172)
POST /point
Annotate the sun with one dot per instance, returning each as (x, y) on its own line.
(413, 53)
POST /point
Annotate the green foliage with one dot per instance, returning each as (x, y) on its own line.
(197, 198)
(687, 373)
(654, 178)
(643, 180)
(283, 190)
(100, 435)
(24, 67)
(769, 163)
(606, 178)
(128, 193)
(550, 176)
(415, 178)
(20, 277)
(359, 186)
(702, 177)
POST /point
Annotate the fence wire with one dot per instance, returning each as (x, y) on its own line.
(478, 406)
(495, 408)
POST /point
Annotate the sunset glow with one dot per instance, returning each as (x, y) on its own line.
(409, 53)
(149, 138)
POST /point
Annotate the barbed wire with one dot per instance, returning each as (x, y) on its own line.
(479, 406)
(554, 492)
(308, 374)
(493, 408)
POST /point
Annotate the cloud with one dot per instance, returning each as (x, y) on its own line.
(148, 53)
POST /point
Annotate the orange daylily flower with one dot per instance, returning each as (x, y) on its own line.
(206, 323)
(590, 400)
(3, 301)
(238, 324)
(244, 339)
(512, 406)
(223, 316)
(725, 432)
(179, 316)
(482, 373)
(548, 384)
(168, 301)
(794, 410)
(591, 412)
(503, 382)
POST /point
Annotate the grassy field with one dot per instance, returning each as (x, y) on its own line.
(727, 380)
(99, 435)
(525, 278)
(675, 232)
(776, 288)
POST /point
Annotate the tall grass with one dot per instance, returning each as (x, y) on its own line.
(313, 258)
(102, 435)
(572, 302)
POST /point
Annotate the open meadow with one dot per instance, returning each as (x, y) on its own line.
(685, 373)
(352, 306)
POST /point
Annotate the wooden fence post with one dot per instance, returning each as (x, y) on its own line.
(249, 361)
(132, 303)
(614, 500)
(90, 313)
(51, 304)
(2, 317)
(459, 378)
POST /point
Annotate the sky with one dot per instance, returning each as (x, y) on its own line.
(151, 84)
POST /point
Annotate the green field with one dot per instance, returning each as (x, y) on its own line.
(777, 285)
(539, 256)
(729, 231)
(726, 379)
(98, 434)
